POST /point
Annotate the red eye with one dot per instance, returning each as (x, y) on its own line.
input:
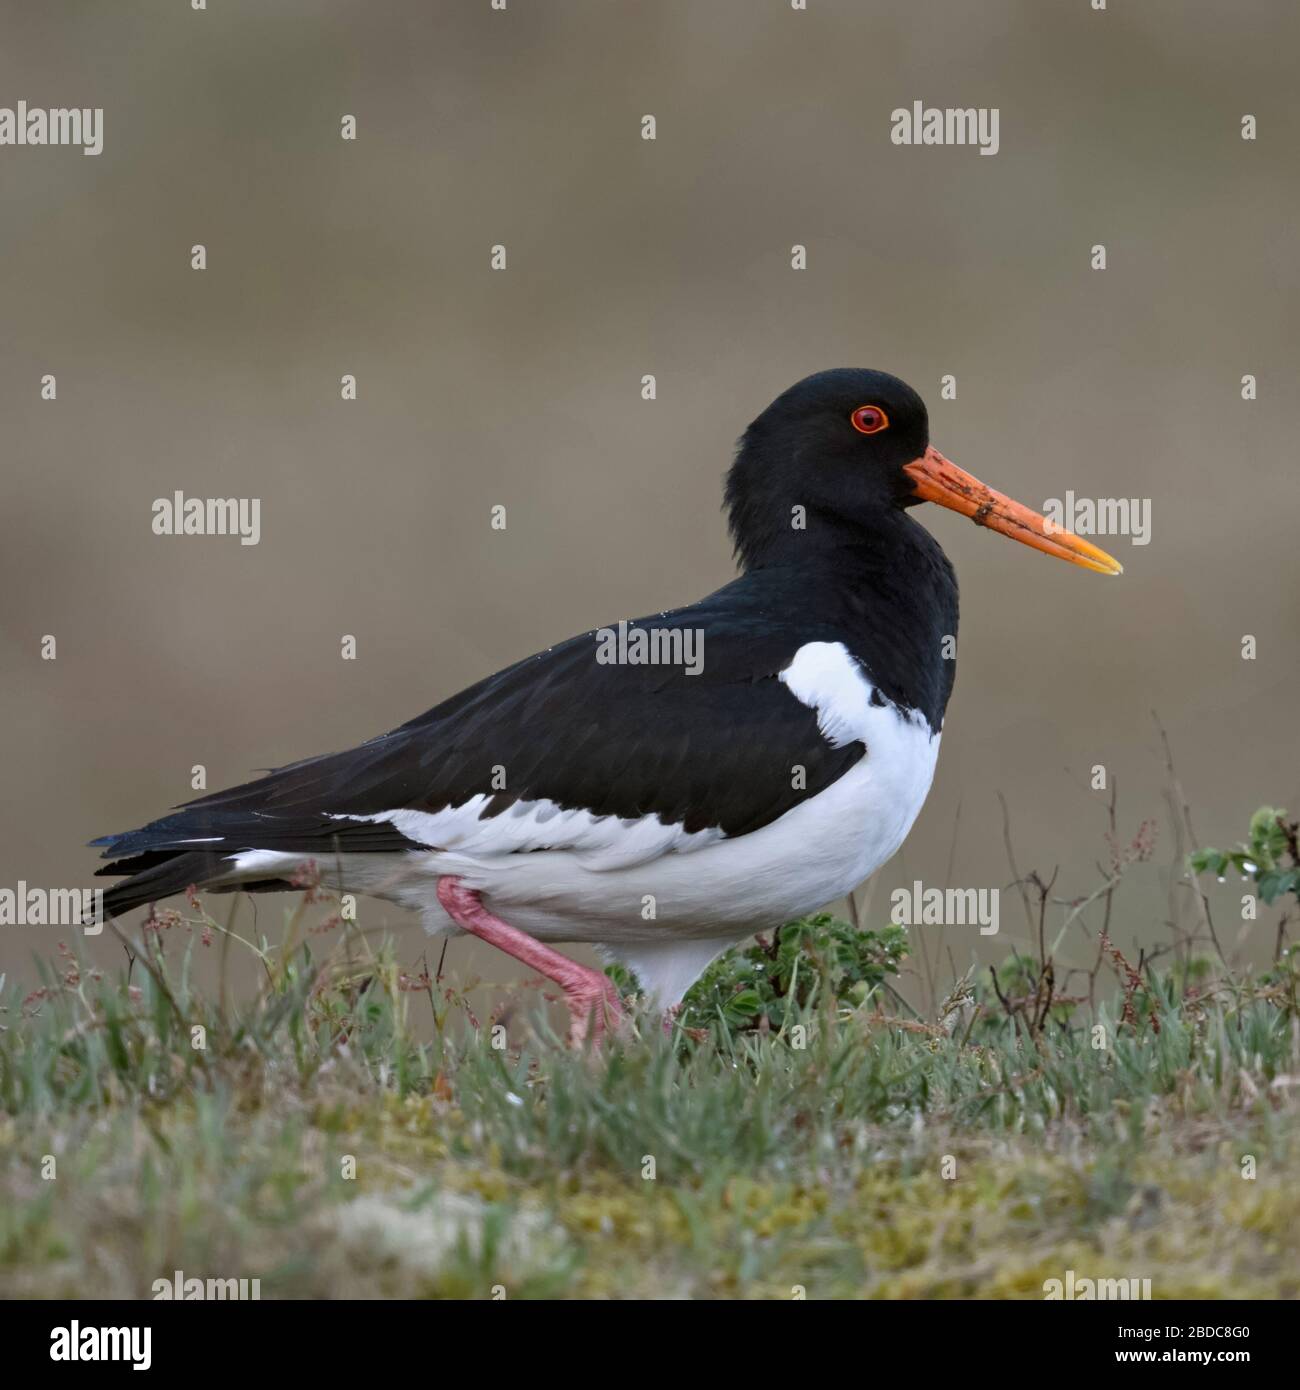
(869, 419)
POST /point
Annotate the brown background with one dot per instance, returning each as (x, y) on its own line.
(522, 388)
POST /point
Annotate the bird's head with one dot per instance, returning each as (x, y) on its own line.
(843, 450)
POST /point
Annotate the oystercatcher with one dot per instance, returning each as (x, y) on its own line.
(667, 787)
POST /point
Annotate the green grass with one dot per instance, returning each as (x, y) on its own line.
(349, 1131)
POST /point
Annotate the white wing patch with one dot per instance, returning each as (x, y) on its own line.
(826, 678)
(596, 842)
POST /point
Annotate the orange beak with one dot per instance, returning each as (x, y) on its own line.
(939, 480)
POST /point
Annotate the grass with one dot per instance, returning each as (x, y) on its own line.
(352, 1131)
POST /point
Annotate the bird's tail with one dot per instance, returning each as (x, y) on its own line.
(168, 874)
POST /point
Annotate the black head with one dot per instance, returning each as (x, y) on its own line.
(835, 461)
(835, 445)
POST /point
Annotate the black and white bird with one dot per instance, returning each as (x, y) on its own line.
(660, 810)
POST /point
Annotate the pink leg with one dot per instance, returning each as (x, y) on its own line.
(590, 997)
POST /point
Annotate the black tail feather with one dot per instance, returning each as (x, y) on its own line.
(174, 875)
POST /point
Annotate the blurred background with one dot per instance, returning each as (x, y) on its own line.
(522, 388)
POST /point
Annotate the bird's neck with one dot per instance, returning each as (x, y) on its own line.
(887, 592)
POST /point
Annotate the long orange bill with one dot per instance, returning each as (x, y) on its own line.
(939, 480)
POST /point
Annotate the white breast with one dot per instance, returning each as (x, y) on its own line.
(825, 677)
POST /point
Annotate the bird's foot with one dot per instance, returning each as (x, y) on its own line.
(594, 1008)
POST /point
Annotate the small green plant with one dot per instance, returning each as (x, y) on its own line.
(814, 960)
(1270, 856)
